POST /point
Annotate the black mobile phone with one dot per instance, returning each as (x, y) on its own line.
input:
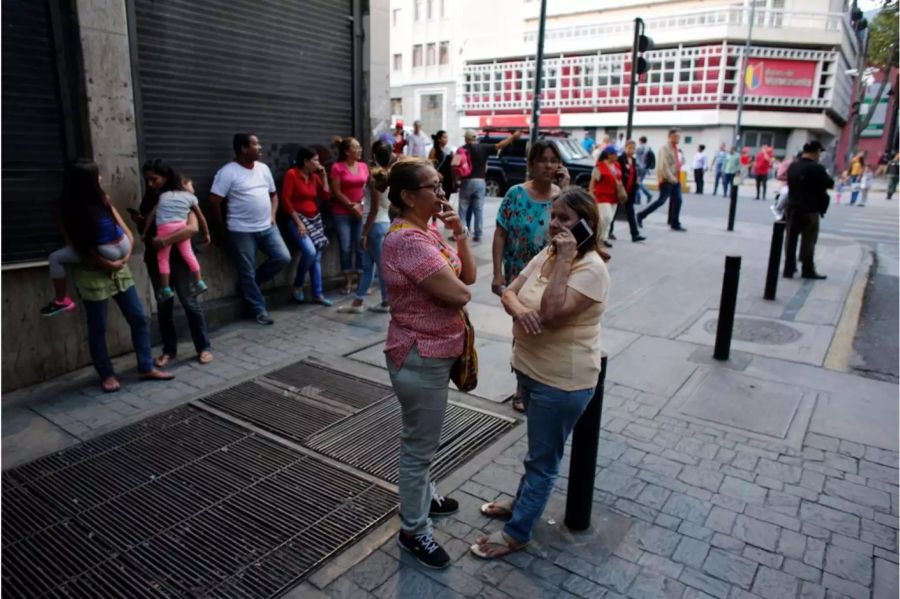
(582, 232)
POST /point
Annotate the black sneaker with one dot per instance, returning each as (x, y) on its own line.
(425, 549)
(440, 505)
(264, 319)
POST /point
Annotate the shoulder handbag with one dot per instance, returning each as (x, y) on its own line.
(464, 372)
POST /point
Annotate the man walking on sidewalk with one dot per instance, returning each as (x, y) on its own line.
(645, 161)
(718, 166)
(700, 168)
(668, 168)
(417, 142)
(808, 185)
(761, 169)
(472, 187)
(249, 188)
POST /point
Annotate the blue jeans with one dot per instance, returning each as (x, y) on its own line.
(666, 190)
(642, 188)
(348, 229)
(719, 177)
(130, 305)
(371, 259)
(854, 195)
(310, 261)
(180, 280)
(471, 203)
(243, 248)
(727, 183)
(552, 414)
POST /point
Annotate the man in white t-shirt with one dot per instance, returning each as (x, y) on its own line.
(249, 189)
(417, 143)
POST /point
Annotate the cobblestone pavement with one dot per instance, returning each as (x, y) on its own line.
(704, 513)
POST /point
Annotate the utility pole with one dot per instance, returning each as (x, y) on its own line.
(742, 74)
(538, 76)
(639, 66)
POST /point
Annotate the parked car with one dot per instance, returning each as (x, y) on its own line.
(509, 167)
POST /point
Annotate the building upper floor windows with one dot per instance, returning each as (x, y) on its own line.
(417, 55)
(444, 53)
(395, 17)
(431, 54)
(398, 62)
(418, 9)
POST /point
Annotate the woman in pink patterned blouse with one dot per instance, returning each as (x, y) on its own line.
(427, 283)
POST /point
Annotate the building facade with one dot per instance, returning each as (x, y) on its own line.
(123, 81)
(796, 86)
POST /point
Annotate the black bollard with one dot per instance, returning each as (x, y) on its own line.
(774, 259)
(726, 307)
(732, 206)
(583, 460)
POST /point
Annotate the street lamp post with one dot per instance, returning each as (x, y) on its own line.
(742, 74)
(538, 76)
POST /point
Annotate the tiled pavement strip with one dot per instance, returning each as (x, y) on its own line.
(681, 508)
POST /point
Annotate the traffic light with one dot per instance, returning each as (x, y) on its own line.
(857, 19)
(644, 44)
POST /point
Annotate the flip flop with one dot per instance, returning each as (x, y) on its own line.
(495, 538)
(491, 509)
(205, 357)
(157, 375)
(517, 404)
(112, 387)
(162, 360)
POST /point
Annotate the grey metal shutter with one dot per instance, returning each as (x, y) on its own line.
(208, 69)
(42, 111)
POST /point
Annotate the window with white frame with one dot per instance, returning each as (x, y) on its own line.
(444, 53)
(396, 106)
(417, 9)
(395, 17)
(398, 62)
(443, 9)
(431, 54)
(429, 5)
(417, 55)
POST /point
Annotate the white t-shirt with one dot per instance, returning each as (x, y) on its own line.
(248, 194)
(417, 144)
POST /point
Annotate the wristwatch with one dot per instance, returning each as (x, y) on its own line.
(463, 235)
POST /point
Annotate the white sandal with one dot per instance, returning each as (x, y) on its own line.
(495, 538)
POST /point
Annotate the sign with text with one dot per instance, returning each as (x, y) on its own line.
(785, 78)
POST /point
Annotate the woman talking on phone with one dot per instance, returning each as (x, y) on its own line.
(523, 220)
(427, 281)
(556, 303)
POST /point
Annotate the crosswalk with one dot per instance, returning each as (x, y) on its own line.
(863, 224)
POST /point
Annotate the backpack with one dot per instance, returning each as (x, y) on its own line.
(649, 160)
(461, 164)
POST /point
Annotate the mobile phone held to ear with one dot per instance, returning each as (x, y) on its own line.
(582, 232)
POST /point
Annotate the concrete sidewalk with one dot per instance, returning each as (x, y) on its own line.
(772, 475)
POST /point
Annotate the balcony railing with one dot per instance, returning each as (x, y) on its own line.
(732, 16)
(705, 76)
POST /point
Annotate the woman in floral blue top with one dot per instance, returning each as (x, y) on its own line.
(523, 219)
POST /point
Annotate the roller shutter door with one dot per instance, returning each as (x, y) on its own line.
(208, 69)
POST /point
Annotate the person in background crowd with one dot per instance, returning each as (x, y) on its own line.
(763, 164)
(620, 144)
(588, 143)
(628, 166)
(856, 171)
(841, 185)
(646, 162)
(608, 146)
(893, 175)
(400, 140)
(417, 141)
(305, 185)
(523, 220)
(472, 187)
(441, 159)
(808, 182)
(249, 188)
(89, 220)
(604, 179)
(718, 168)
(865, 184)
(427, 281)
(667, 174)
(349, 176)
(730, 170)
(701, 165)
(556, 304)
(746, 162)
(156, 176)
(374, 231)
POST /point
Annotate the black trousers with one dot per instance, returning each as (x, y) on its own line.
(800, 226)
(698, 179)
(632, 217)
(761, 181)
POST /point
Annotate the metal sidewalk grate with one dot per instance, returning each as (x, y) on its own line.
(184, 504)
(282, 413)
(370, 439)
(316, 381)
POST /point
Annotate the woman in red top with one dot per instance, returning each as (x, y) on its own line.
(603, 187)
(629, 179)
(304, 184)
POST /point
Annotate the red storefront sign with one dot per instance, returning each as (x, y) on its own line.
(518, 120)
(785, 78)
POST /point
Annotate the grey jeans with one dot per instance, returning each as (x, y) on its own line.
(421, 385)
(67, 255)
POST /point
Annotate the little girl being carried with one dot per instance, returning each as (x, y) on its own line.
(170, 215)
(840, 186)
